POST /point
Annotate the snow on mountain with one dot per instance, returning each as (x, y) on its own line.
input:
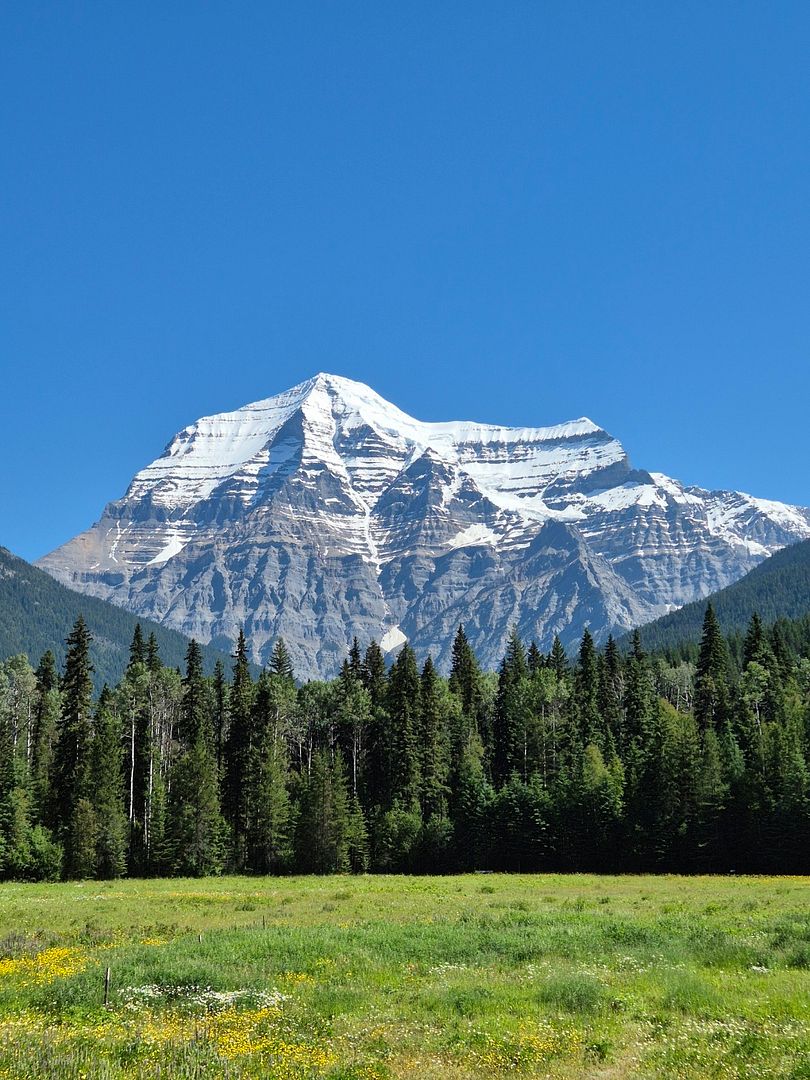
(325, 512)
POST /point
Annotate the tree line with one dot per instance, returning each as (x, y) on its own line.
(611, 761)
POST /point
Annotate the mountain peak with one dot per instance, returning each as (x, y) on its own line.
(325, 511)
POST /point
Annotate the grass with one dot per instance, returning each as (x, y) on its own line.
(385, 977)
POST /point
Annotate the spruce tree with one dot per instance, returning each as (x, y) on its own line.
(373, 674)
(586, 694)
(135, 692)
(611, 693)
(401, 739)
(508, 752)
(220, 714)
(106, 787)
(280, 662)
(472, 806)
(465, 674)
(433, 744)
(153, 661)
(535, 659)
(558, 660)
(194, 826)
(355, 660)
(238, 748)
(711, 677)
(353, 724)
(137, 650)
(71, 770)
(46, 720)
(270, 814)
(321, 839)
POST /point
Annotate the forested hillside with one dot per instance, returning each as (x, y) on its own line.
(37, 613)
(611, 763)
(779, 588)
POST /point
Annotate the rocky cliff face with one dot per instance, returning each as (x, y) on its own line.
(326, 512)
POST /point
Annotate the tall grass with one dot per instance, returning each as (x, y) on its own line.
(364, 978)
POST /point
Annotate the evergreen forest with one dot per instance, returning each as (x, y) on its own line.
(613, 760)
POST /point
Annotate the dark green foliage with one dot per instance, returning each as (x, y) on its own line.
(195, 831)
(509, 727)
(37, 613)
(611, 762)
(779, 588)
(71, 813)
(711, 677)
(280, 662)
(398, 742)
(323, 836)
(239, 747)
(106, 776)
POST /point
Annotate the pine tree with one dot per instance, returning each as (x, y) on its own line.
(321, 837)
(106, 787)
(401, 748)
(586, 694)
(220, 714)
(535, 659)
(153, 661)
(195, 718)
(374, 675)
(558, 659)
(611, 693)
(465, 674)
(509, 742)
(355, 660)
(137, 650)
(270, 814)
(194, 826)
(280, 662)
(433, 743)
(238, 749)
(711, 678)
(473, 802)
(46, 720)
(71, 771)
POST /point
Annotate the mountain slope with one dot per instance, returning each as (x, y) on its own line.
(779, 588)
(37, 613)
(325, 512)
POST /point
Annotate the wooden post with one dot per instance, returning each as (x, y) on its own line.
(264, 922)
(107, 988)
(199, 937)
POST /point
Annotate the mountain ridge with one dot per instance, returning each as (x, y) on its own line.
(778, 588)
(37, 614)
(325, 511)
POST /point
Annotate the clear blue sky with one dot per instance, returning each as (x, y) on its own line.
(519, 212)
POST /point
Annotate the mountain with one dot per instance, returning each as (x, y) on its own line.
(326, 512)
(779, 588)
(37, 613)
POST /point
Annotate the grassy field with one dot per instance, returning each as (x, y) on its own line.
(376, 977)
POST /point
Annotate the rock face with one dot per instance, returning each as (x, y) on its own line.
(325, 512)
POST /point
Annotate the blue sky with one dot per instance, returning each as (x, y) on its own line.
(520, 212)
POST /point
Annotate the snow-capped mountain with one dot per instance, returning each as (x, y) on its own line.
(326, 512)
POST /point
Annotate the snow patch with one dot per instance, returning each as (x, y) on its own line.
(392, 639)
(474, 536)
(173, 547)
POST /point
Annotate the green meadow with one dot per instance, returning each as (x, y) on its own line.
(367, 978)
